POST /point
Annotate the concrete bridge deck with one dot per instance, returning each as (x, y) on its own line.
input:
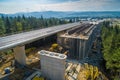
(12, 41)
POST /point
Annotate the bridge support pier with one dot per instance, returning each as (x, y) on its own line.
(19, 53)
(58, 36)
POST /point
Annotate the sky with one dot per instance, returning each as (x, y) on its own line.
(15, 6)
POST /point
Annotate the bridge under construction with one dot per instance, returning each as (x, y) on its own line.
(78, 40)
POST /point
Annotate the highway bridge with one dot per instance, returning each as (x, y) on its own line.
(17, 41)
(27, 37)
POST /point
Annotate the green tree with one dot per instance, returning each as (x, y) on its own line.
(19, 26)
(8, 25)
(111, 48)
(22, 23)
(2, 27)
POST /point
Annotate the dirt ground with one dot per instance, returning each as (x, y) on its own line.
(32, 61)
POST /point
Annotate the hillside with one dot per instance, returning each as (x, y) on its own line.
(58, 14)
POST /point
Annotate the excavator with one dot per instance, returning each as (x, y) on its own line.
(57, 48)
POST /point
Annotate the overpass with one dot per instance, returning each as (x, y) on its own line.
(17, 41)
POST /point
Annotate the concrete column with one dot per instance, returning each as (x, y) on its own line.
(19, 53)
(58, 36)
(84, 48)
(80, 49)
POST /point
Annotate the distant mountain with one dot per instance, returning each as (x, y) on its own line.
(58, 14)
(1, 14)
(45, 14)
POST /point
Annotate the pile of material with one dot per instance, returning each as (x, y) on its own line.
(89, 72)
(72, 71)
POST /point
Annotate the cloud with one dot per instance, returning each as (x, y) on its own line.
(84, 5)
(13, 6)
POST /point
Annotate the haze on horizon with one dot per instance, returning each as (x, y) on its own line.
(14, 6)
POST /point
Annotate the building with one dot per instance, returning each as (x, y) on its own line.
(78, 41)
(52, 65)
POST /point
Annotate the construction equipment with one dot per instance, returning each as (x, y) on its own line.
(53, 47)
(56, 48)
(38, 78)
(7, 70)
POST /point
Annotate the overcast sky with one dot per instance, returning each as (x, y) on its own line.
(14, 6)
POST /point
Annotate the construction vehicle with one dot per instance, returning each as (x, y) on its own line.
(38, 78)
(57, 48)
(53, 47)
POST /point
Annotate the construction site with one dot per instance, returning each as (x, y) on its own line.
(70, 55)
(78, 41)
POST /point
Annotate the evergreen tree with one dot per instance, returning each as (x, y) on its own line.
(8, 25)
(22, 23)
(2, 27)
(111, 48)
(19, 26)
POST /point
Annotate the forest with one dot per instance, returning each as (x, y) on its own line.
(111, 49)
(12, 25)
